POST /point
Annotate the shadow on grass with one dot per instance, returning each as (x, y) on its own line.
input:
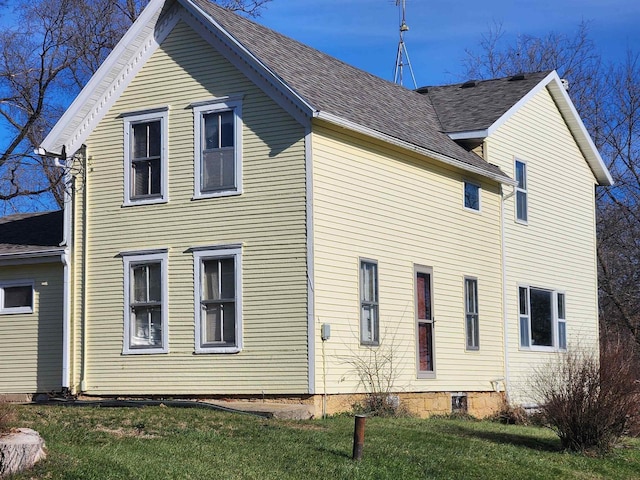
(334, 451)
(506, 438)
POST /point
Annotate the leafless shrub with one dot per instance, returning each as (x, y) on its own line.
(589, 402)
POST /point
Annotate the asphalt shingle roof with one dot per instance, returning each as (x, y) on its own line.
(332, 86)
(463, 109)
(30, 232)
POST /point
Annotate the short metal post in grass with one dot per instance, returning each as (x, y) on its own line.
(358, 437)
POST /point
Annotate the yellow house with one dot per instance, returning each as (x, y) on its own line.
(252, 218)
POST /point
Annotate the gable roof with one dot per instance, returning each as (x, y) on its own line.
(474, 110)
(31, 233)
(318, 84)
(476, 105)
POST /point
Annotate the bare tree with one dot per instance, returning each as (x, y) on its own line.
(607, 97)
(46, 57)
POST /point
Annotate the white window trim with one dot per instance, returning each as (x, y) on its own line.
(162, 114)
(477, 184)
(199, 256)
(233, 104)
(15, 310)
(376, 327)
(424, 374)
(130, 258)
(468, 347)
(524, 190)
(555, 334)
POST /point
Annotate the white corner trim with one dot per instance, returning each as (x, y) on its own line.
(341, 122)
(311, 326)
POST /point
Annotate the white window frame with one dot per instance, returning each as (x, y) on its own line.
(464, 196)
(135, 258)
(374, 304)
(200, 255)
(161, 114)
(14, 310)
(421, 269)
(474, 334)
(524, 321)
(524, 191)
(233, 104)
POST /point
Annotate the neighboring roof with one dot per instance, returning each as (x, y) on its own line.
(475, 109)
(319, 84)
(31, 233)
(476, 105)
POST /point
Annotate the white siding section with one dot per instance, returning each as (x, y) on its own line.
(31, 343)
(402, 210)
(556, 249)
(268, 219)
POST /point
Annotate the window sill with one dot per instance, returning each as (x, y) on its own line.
(227, 193)
(541, 349)
(521, 222)
(144, 351)
(426, 375)
(17, 310)
(208, 350)
(146, 201)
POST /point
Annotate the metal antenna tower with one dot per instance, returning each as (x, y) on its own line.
(398, 74)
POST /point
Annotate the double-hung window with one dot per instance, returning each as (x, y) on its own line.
(471, 313)
(542, 318)
(145, 157)
(369, 311)
(218, 289)
(522, 215)
(424, 321)
(16, 297)
(218, 148)
(145, 294)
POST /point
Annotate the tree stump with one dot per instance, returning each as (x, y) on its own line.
(20, 450)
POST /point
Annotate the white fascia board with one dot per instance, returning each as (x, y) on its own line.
(24, 258)
(130, 50)
(250, 65)
(579, 131)
(572, 119)
(468, 135)
(505, 180)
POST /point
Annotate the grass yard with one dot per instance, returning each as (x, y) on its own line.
(170, 443)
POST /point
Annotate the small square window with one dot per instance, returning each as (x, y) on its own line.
(16, 298)
(472, 196)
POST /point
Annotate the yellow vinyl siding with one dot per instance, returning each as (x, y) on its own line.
(374, 202)
(31, 343)
(556, 250)
(268, 219)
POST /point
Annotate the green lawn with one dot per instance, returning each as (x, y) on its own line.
(170, 443)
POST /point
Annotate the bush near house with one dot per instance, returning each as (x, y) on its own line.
(7, 417)
(590, 402)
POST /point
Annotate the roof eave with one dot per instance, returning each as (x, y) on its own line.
(36, 256)
(349, 125)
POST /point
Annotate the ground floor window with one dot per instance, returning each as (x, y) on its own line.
(424, 321)
(217, 274)
(542, 318)
(16, 297)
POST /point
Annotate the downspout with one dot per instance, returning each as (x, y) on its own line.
(66, 163)
(85, 196)
(504, 289)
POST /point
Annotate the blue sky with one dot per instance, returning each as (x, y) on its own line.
(364, 33)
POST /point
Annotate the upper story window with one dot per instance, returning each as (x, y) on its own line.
(472, 196)
(369, 302)
(542, 319)
(145, 302)
(521, 191)
(218, 302)
(145, 157)
(218, 148)
(16, 297)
